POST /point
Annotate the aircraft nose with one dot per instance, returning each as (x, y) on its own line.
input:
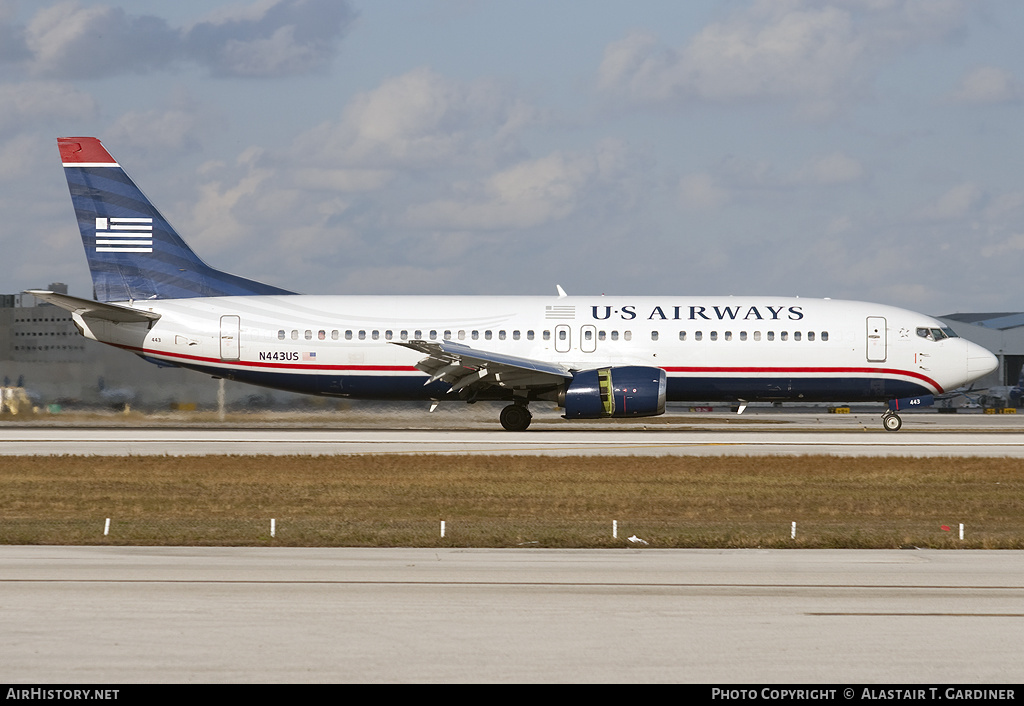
(979, 361)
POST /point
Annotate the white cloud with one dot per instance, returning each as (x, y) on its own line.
(988, 84)
(811, 53)
(222, 217)
(834, 168)
(525, 195)
(71, 41)
(702, 192)
(958, 202)
(271, 38)
(35, 101)
(171, 129)
(1011, 245)
(418, 119)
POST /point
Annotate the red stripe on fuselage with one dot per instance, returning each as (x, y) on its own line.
(667, 369)
(806, 371)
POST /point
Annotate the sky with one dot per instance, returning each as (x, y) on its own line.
(853, 149)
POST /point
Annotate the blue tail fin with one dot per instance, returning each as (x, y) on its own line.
(133, 252)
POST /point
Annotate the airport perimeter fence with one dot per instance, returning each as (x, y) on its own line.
(500, 532)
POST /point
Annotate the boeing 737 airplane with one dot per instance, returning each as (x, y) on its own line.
(594, 356)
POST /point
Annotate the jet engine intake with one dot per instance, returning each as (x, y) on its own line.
(627, 391)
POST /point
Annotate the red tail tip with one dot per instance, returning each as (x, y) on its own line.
(81, 150)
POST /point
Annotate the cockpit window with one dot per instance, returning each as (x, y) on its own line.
(936, 334)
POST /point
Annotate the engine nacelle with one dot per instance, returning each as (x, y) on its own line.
(627, 391)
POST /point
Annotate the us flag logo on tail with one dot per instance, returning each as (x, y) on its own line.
(124, 235)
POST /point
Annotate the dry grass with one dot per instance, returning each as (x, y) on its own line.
(508, 500)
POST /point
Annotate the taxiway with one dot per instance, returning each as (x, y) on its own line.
(132, 614)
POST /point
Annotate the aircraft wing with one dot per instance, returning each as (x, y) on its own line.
(87, 308)
(464, 367)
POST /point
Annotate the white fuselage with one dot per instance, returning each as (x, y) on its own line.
(771, 348)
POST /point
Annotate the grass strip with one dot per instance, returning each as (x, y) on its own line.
(498, 501)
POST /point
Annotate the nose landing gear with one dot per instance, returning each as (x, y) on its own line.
(891, 421)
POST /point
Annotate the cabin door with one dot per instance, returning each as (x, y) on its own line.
(876, 339)
(229, 329)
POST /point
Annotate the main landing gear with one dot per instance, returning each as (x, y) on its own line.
(516, 417)
(891, 421)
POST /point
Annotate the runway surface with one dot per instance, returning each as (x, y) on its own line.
(840, 435)
(121, 615)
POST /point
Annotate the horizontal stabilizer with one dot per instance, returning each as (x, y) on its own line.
(89, 309)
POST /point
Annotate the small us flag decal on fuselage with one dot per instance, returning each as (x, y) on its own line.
(124, 235)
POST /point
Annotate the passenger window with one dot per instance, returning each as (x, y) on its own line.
(515, 335)
(404, 335)
(714, 335)
(743, 335)
(419, 335)
(375, 334)
(771, 335)
(487, 335)
(796, 335)
(387, 335)
(462, 335)
(475, 335)
(627, 335)
(547, 335)
(654, 335)
(295, 335)
(824, 335)
(501, 335)
(433, 335)
(810, 335)
(698, 335)
(281, 335)
(322, 335)
(757, 335)
(335, 335)
(728, 335)
(309, 335)
(529, 335)
(682, 335)
(348, 335)
(447, 335)
(784, 336)
(615, 335)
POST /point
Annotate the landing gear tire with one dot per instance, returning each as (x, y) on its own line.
(891, 422)
(516, 417)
